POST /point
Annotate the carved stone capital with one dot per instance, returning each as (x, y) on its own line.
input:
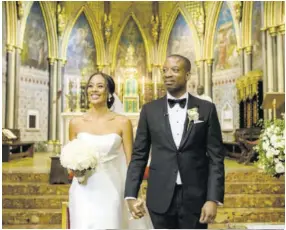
(281, 29)
(52, 60)
(210, 61)
(248, 50)
(10, 47)
(273, 31)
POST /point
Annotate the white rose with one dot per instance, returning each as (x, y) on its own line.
(273, 139)
(265, 145)
(269, 154)
(279, 168)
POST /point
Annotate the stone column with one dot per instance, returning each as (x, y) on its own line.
(199, 81)
(273, 34)
(59, 97)
(265, 79)
(240, 52)
(248, 59)
(10, 88)
(18, 51)
(208, 78)
(52, 99)
(280, 59)
(202, 76)
(270, 77)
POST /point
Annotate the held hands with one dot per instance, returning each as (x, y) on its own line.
(209, 212)
(136, 208)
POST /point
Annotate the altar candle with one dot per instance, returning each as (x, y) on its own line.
(143, 85)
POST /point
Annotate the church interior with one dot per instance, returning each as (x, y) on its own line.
(50, 48)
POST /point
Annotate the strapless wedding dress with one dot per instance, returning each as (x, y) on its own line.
(100, 204)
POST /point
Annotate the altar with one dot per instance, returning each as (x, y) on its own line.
(67, 116)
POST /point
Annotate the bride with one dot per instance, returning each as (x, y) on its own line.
(99, 204)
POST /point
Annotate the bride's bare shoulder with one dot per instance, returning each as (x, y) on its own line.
(122, 119)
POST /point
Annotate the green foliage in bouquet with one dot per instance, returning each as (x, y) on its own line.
(271, 148)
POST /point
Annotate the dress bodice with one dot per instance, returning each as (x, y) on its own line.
(107, 145)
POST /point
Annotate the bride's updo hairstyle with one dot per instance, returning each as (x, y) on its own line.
(110, 87)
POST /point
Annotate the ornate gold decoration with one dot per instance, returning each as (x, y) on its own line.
(107, 27)
(61, 14)
(237, 5)
(117, 40)
(155, 27)
(247, 85)
(272, 31)
(20, 9)
(200, 23)
(248, 50)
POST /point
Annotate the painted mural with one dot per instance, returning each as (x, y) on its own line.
(131, 51)
(4, 30)
(81, 52)
(257, 36)
(181, 41)
(225, 54)
(35, 45)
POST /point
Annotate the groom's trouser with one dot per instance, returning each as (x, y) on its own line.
(176, 217)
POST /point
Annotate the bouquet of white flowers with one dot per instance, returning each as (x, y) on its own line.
(271, 148)
(80, 157)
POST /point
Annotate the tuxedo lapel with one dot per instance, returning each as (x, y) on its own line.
(166, 124)
(191, 104)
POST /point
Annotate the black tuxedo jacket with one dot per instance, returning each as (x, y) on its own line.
(199, 159)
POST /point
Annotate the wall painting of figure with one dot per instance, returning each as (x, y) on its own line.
(131, 51)
(257, 36)
(225, 53)
(81, 51)
(35, 45)
(181, 41)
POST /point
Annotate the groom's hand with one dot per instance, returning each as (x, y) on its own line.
(209, 211)
(136, 208)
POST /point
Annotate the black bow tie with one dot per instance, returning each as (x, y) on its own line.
(181, 102)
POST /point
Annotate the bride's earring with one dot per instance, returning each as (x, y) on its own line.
(109, 97)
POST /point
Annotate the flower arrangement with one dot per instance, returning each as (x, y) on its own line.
(79, 157)
(193, 115)
(271, 148)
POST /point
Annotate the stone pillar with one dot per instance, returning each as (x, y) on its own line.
(280, 59)
(208, 78)
(52, 99)
(248, 59)
(270, 77)
(240, 52)
(17, 84)
(197, 63)
(202, 76)
(273, 34)
(59, 97)
(265, 79)
(10, 88)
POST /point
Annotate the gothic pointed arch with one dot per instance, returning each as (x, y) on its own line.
(116, 41)
(164, 38)
(11, 15)
(96, 34)
(36, 39)
(50, 25)
(225, 40)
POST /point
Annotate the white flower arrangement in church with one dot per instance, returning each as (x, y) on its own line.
(79, 157)
(271, 148)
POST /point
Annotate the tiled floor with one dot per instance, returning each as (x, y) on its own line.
(41, 163)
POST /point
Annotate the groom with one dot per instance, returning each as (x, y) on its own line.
(186, 176)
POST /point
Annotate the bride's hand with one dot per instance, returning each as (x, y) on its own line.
(136, 208)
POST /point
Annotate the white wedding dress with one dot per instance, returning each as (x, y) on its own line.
(100, 204)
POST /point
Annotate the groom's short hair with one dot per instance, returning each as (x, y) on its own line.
(186, 61)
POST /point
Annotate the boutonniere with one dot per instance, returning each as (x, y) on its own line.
(193, 115)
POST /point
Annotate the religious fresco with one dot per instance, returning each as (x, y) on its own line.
(131, 51)
(81, 52)
(257, 36)
(225, 45)
(35, 44)
(181, 41)
(4, 30)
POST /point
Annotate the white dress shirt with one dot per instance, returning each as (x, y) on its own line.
(177, 117)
